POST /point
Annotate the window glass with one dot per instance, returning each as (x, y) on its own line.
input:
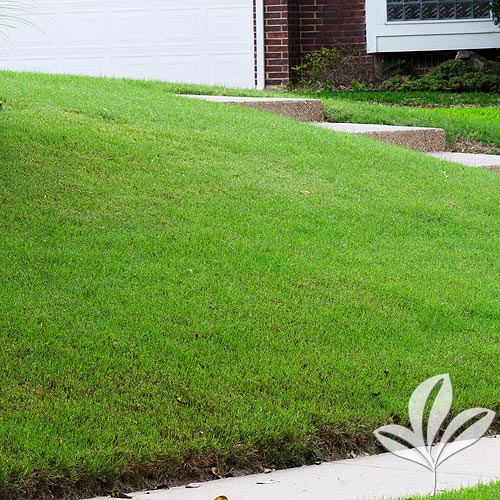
(430, 10)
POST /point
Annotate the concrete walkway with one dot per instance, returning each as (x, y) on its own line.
(490, 162)
(306, 110)
(428, 140)
(375, 477)
(419, 138)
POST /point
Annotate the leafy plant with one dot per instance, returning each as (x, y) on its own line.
(455, 76)
(404, 441)
(396, 67)
(495, 10)
(333, 68)
(322, 69)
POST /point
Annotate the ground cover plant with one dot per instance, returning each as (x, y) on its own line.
(188, 285)
(451, 76)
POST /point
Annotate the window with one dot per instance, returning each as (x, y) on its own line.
(433, 10)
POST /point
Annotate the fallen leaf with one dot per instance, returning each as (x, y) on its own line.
(217, 473)
(268, 470)
(221, 497)
(60, 442)
(119, 494)
(305, 192)
(180, 400)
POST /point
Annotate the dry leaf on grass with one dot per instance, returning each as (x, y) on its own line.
(118, 494)
(217, 473)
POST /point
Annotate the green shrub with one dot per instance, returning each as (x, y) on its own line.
(322, 69)
(395, 83)
(495, 10)
(396, 68)
(334, 68)
(454, 76)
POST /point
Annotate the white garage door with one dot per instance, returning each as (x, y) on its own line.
(196, 41)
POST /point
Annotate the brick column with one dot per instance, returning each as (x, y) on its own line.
(277, 50)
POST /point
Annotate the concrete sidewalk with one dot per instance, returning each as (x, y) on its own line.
(489, 162)
(425, 139)
(375, 477)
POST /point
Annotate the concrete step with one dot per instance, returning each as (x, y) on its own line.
(306, 110)
(426, 139)
(489, 162)
(419, 138)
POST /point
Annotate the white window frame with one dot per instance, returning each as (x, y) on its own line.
(415, 36)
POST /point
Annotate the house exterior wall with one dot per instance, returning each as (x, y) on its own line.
(295, 27)
(326, 22)
(426, 35)
(277, 42)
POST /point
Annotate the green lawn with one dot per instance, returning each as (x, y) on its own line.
(465, 117)
(188, 285)
(482, 492)
(472, 117)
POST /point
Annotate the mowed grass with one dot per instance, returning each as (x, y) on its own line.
(481, 492)
(188, 285)
(465, 117)
(472, 117)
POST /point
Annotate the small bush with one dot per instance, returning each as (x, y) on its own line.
(322, 69)
(495, 10)
(394, 83)
(396, 68)
(451, 76)
(334, 68)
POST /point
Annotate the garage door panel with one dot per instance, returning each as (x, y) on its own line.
(185, 68)
(42, 64)
(227, 67)
(181, 25)
(196, 41)
(132, 27)
(36, 32)
(92, 66)
(132, 66)
(87, 29)
(229, 25)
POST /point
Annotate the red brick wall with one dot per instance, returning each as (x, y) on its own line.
(326, 22)
(295, 27)
(277, 53)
